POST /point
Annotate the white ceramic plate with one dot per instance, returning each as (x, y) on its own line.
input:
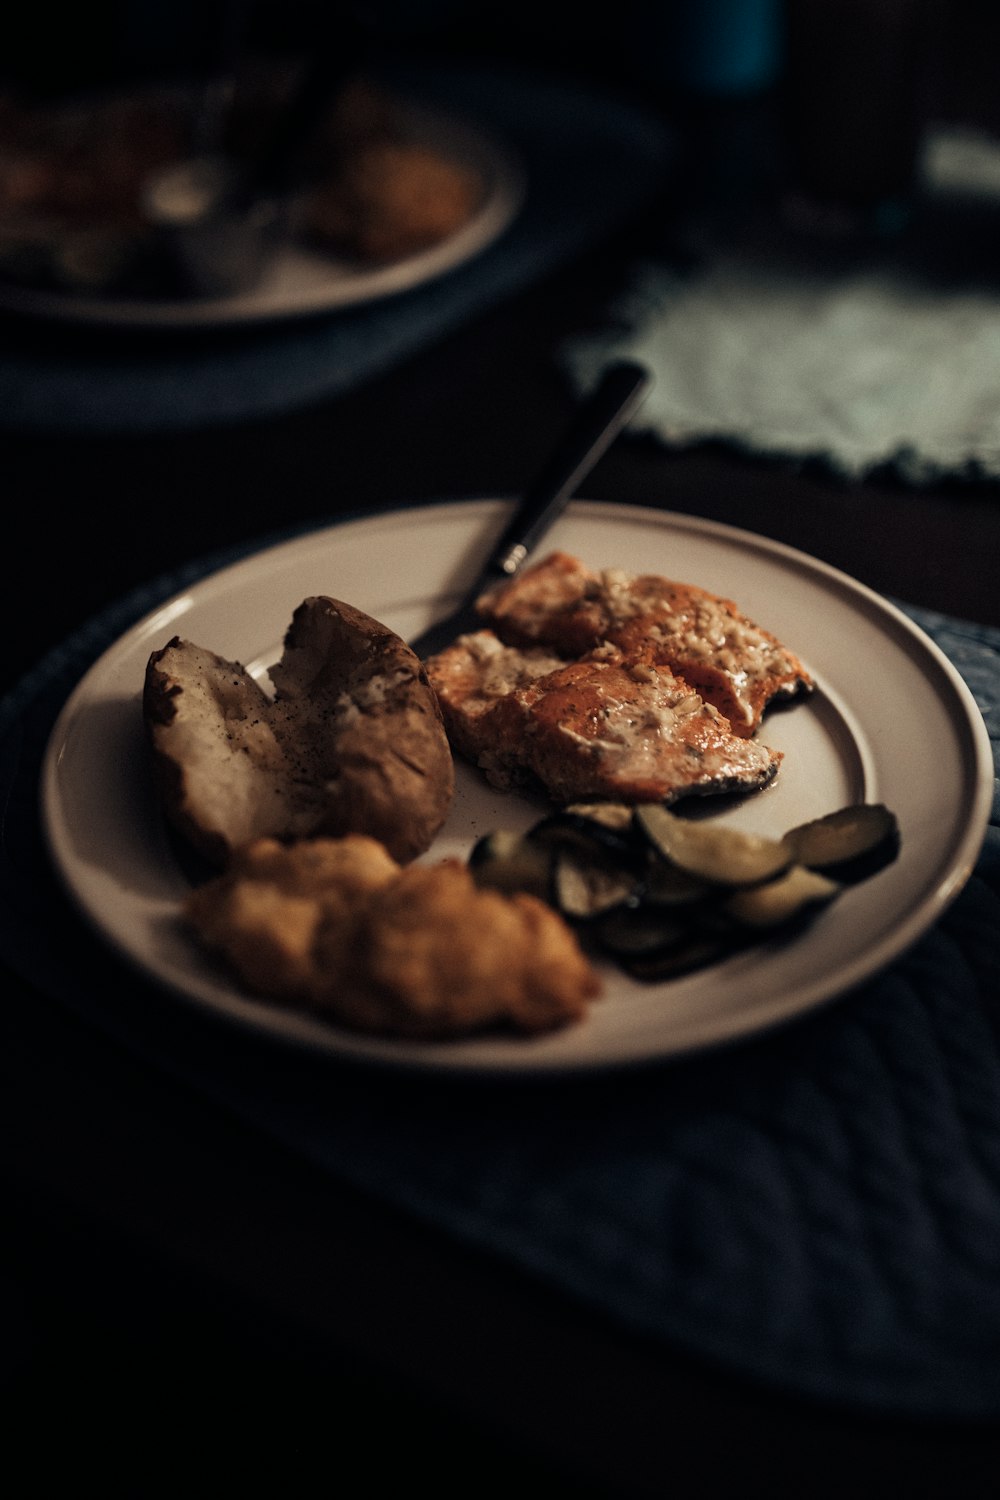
(891, 721)
(303, 281)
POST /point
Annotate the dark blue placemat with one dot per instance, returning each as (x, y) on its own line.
(590, 162)
(817, 1208)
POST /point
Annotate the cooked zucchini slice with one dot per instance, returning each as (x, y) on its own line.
(665, 885)
(696, 951)
(614, 815)
(585, 886)
(663, 895)
(779, 902)
(640, 931)
(592, 828)
(512, 862)
(850, 843)
(713, 852)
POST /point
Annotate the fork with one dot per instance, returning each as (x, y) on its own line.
(597, 423)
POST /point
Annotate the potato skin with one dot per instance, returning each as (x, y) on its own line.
(353, 741)
(394, 777)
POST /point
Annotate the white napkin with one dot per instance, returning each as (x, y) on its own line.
(888, 357)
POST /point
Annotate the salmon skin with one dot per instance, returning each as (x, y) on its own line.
(613, 685)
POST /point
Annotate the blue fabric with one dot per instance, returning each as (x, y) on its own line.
(590, 162)
(817, 1208)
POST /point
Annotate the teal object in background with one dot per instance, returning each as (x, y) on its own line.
(713, 47)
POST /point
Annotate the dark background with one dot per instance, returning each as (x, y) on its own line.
(183, 1308)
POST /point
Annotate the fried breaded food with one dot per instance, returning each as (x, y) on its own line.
(338, 928)
(391, 198)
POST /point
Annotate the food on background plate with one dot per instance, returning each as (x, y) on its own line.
(71, 180)
(374, 188)
(337, 928)
(73, 173)
(611, 684)
(352, 740)
(390, 198)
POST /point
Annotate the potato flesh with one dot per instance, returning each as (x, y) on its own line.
(352, 741)
(234, 770)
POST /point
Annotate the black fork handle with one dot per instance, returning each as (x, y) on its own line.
(598, 422)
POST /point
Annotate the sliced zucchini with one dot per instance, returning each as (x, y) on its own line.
(852, 842)
(663, 895)
(665, 885)
(779, 902)
(653, 943)
(615, 815)
(512, 862)
(585, 886)
(590, 828)
(640, 931)
(712, 852)
(696, 951)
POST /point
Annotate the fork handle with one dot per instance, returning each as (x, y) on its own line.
(597, 423)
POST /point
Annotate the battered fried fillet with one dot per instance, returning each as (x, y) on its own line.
(605, 725)
(273, 905)
(338, 928)
(392, 198)
(729, 660)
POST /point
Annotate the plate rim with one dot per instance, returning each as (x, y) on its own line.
(460, 1056)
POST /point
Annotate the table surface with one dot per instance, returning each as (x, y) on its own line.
(174, 1284)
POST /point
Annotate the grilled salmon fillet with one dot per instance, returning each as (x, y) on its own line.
(608, 724)
(728, 659)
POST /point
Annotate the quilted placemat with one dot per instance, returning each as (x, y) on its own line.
(589, 162)
(817, 1208)
(859, 353)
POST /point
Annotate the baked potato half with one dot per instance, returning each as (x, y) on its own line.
(351, 741)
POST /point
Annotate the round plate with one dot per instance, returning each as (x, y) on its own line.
(303, 281)
(890, 721)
